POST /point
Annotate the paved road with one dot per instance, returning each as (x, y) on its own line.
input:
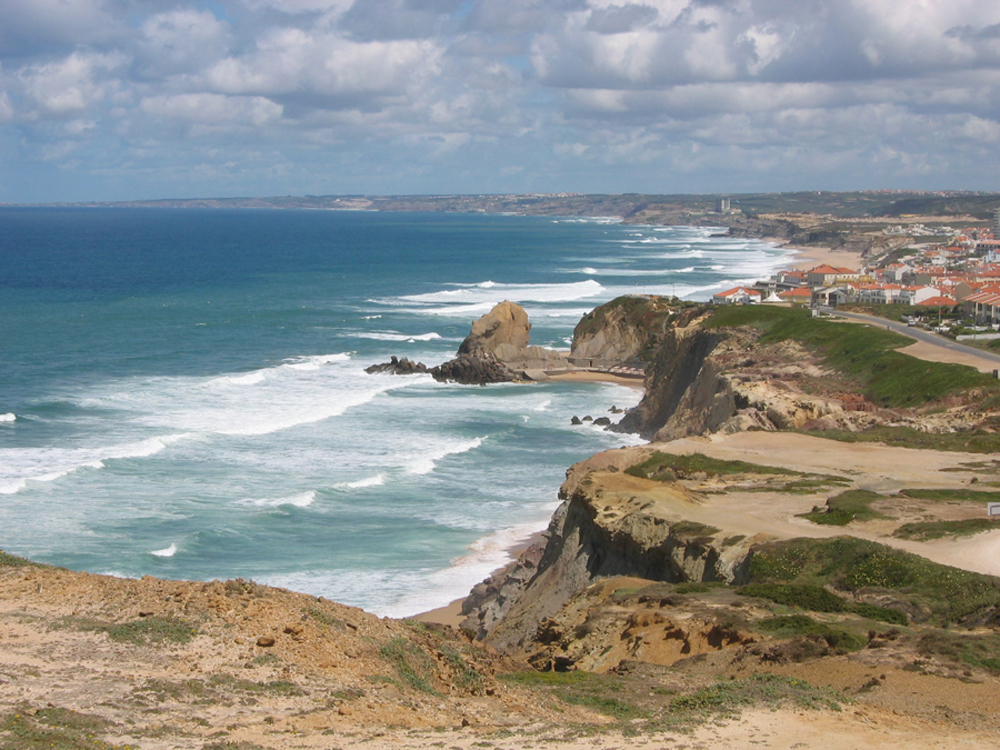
(924, 336)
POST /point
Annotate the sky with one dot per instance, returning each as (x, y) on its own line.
(139, 99)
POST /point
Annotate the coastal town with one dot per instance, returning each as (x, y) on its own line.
(953, 285)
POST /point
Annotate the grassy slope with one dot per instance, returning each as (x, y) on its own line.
(864, 354)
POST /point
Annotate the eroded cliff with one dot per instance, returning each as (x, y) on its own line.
(609, 524)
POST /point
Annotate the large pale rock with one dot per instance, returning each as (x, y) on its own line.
(503, 330)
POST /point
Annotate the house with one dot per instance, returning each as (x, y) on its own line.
(793, 278)
(826, 275)
(740, 295)
(938, 302)
(984, 306)
(801, 295)
(831, 296)
(878, 294)
(894, 272)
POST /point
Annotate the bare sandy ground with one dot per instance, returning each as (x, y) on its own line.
(879, 468)
(587, 376)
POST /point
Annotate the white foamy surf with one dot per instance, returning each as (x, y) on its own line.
(427, 462)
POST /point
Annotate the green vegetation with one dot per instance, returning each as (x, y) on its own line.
(636, 702)
(819, 599)
(758, 690)
(219, 688)
(962, 494)
(154, 630)
(980, 651)
(852, 505)
(814, 598)
(411, 663)
(694, 530)
(793, 626)
(888, 312)
(907, 437)
(645, 313)
(324, 618)
(466, 677)
(13, 561)
(668, 467)
(946, 595)
(53, 729)
(242, 587)
(599, 692)
(921, 531)
(862, 353)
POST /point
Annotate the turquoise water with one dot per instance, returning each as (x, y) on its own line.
(182, 392)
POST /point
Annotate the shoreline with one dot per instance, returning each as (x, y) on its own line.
(451, 613)
(589, 376)
(807, 258)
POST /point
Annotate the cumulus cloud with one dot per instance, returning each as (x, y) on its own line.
(214, 109)
(181, 41)
(72, 84)
(501, 93)
(291, 60)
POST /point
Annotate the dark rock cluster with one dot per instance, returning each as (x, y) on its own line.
(467, 369)
(396, 366)
(472, 370)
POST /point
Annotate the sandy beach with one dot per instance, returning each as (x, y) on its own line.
(810, 257)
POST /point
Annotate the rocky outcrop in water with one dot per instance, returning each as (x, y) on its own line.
(467, 369)
(396, 366)
(496, 351)
(473, 370)
(501, 332)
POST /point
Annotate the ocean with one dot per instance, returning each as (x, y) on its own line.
(182, 392)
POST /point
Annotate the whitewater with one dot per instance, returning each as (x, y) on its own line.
(183, 391)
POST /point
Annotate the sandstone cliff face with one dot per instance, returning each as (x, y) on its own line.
(702, 380)
(606, 526)
(621, 331)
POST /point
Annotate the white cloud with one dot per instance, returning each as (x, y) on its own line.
(6, 108)
(293, 61)
(850, 89)
(182, 41)
(214, 109)
(71, 84)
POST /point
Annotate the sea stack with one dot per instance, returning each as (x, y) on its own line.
(503, 332)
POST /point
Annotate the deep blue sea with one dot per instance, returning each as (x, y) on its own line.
(182, 392)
